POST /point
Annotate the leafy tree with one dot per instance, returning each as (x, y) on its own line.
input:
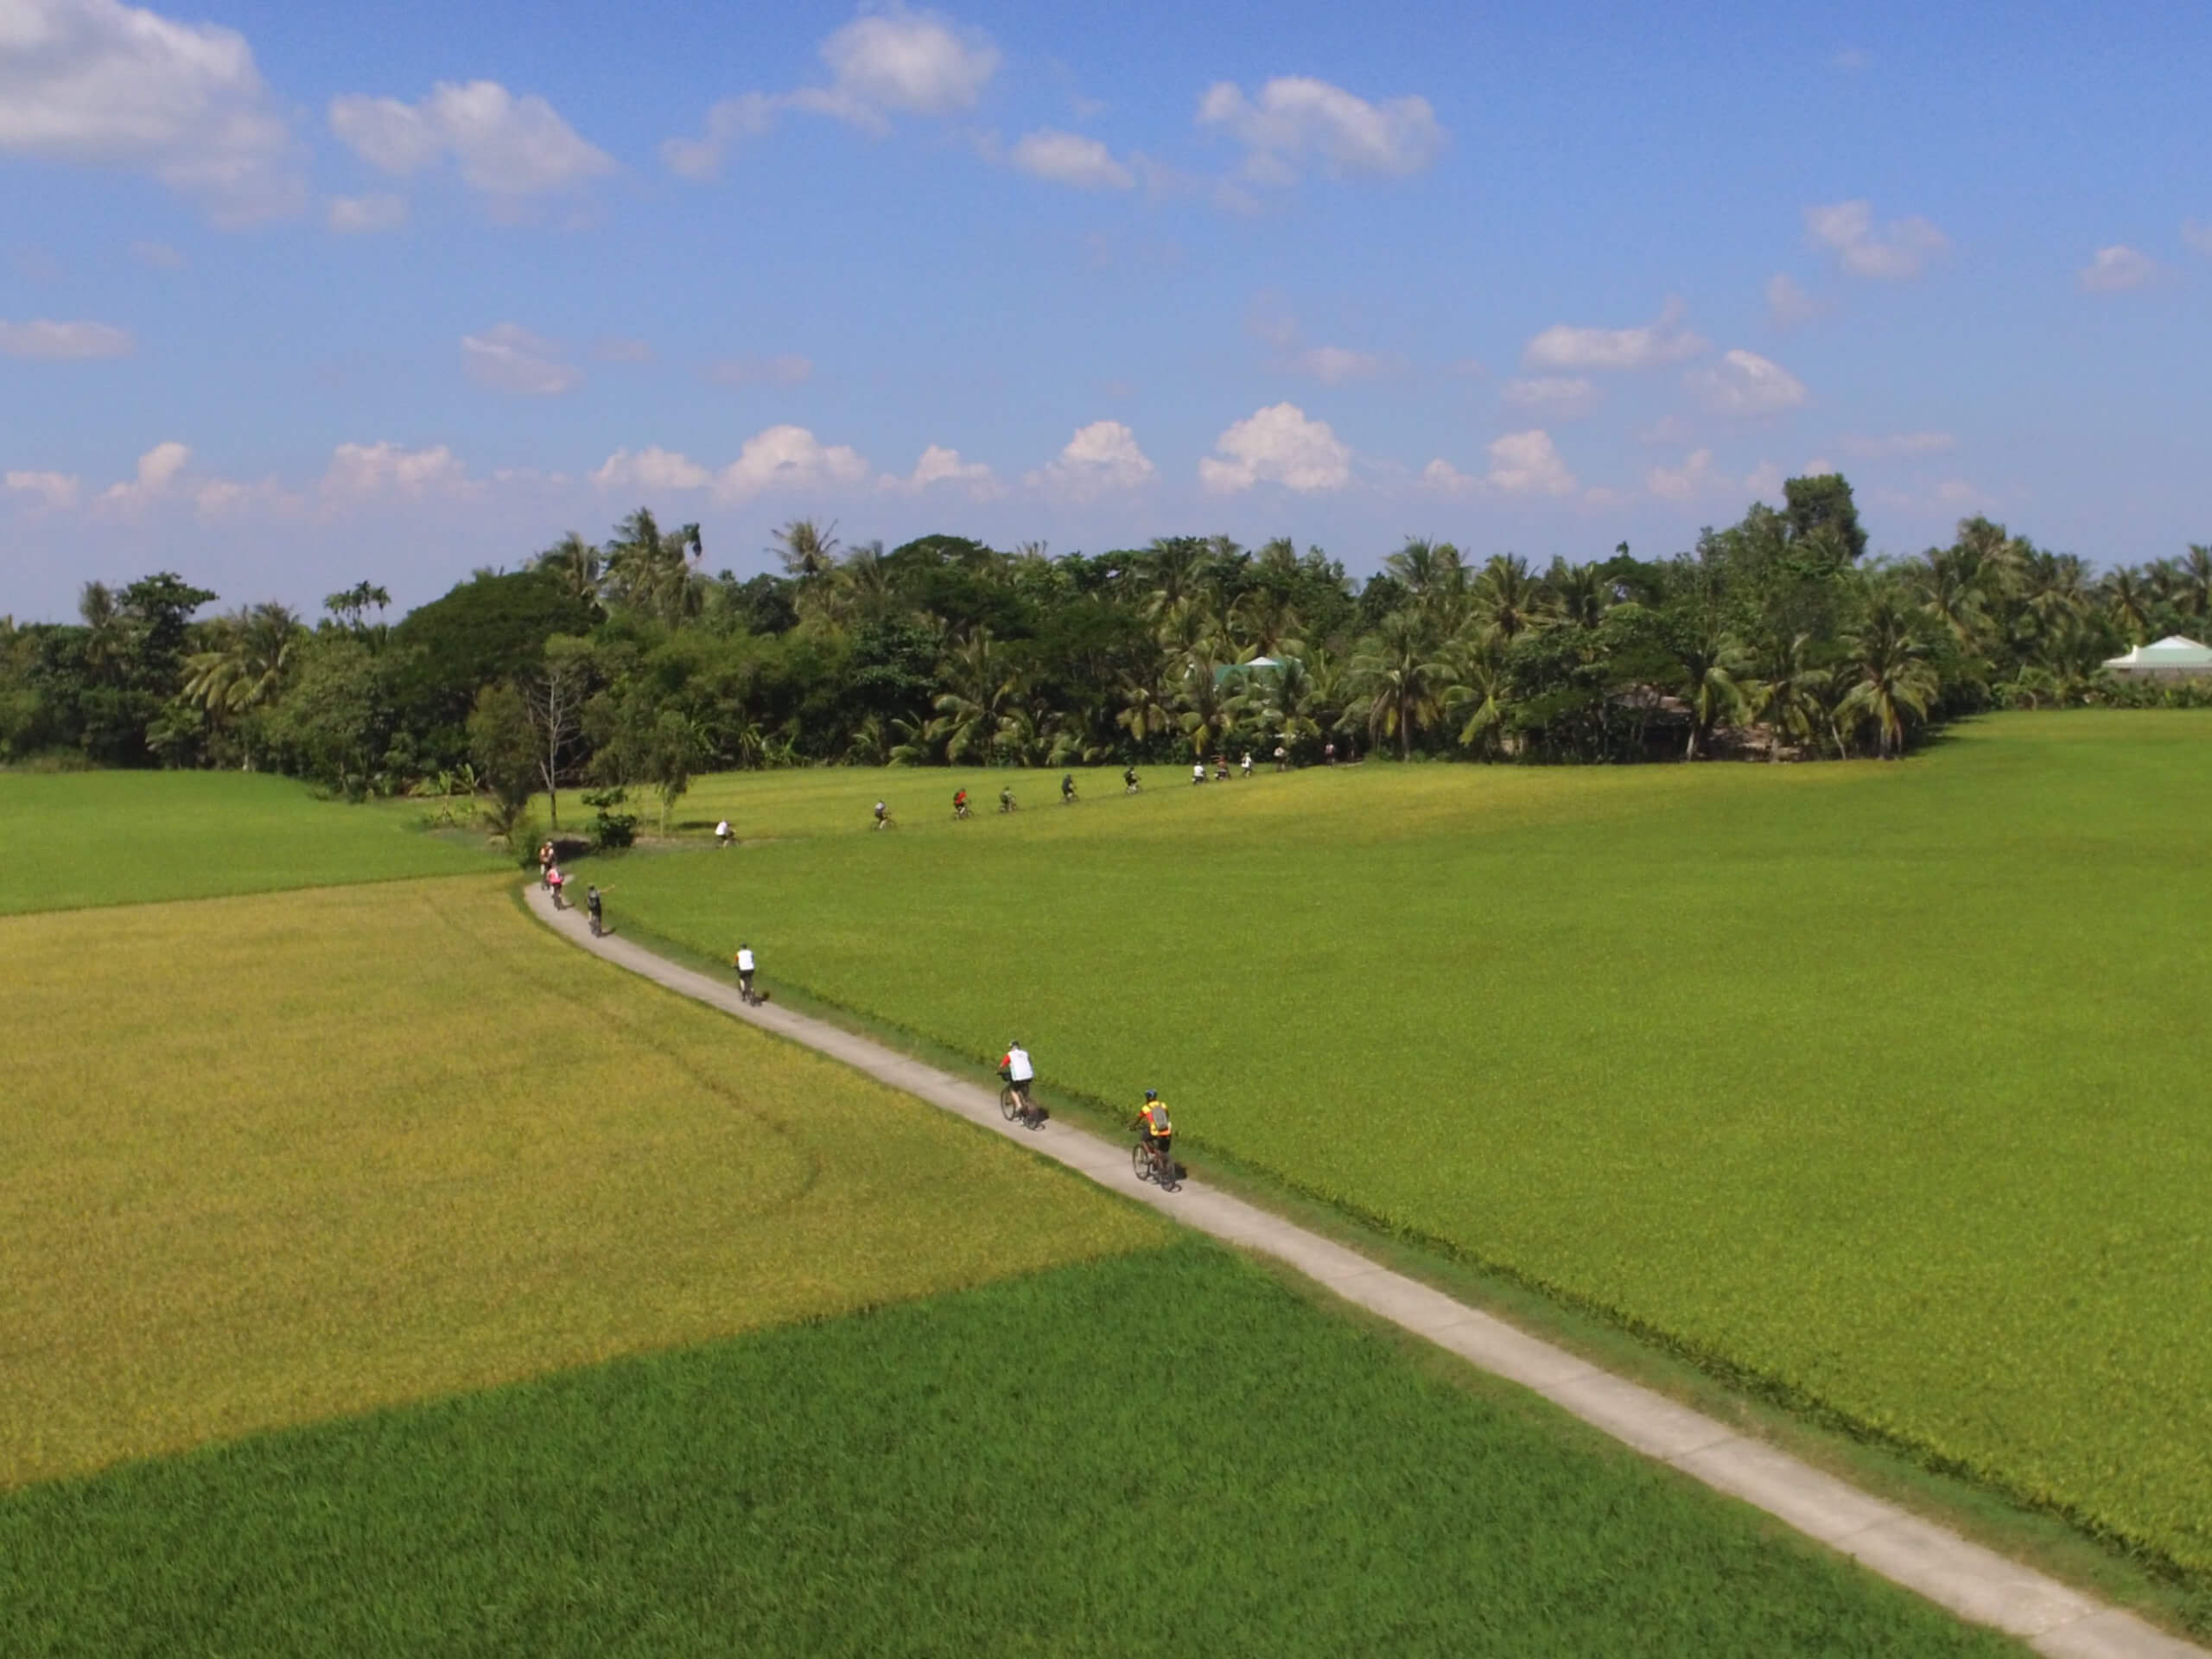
(503, 744)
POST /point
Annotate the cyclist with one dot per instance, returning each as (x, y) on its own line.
(1197, 771)
(1248, 762)
(882, 815)
(1017, 1073)
(1129, 784)
(545, 864)
(1158, 1129)
(1221, 768)
(721, 833)
(556, 880)
(591, 909)
(743, 962)
(1282, 759)
(1067, 789)
(1006, 798)
(959, 802)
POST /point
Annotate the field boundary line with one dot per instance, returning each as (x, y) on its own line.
(1974, 1583)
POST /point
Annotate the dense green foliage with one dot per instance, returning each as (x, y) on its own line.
(121, 837)
(1774, 636)
(1873, 1086)
(1169, 1452)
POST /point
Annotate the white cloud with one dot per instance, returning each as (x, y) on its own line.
(788, 458)
(700, 158)
(56, 491)
(1763, 480)
(651, 469)
(509, 358)
(1529, 463)
(1744, 383)
(368, 472)
(940, 465)
(106, 85)
(1333, 364)
(506, 147)
(1101, 459)
(1445, 479)
(789, 370)
(1652, 346)
(2197, 236)
(893, 61)
(1551, 397)
(57, 342)
(1788, 304)
(1070, 158)
(1296, 117)
(1277, 445)
(911, 62)
(155, 477)
(1899, 250)
(2115, 270)
(1682, 483)
(159, 255)
(365, 215)
(1899, 446)
(782, 458)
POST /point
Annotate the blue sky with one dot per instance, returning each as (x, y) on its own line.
(291, 295)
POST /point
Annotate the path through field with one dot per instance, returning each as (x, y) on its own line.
(1976, 1583)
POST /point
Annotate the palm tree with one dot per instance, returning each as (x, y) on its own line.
(1952, 584)
(1202, 702)
(653, 572)
(1581, 594)
(977, 712)
(1891, 681)
(576, 561)
(2127, 597)
(1784, 693)
(1712, 659)
(106, 628)
(245, 667)
(1476, 693)
(1398, 681)
(2195, 574)
(808, 551)
(1506, 597)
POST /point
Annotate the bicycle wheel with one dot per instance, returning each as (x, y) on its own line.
(1141, 1161)
(1168, 1180)
(1009, 1104)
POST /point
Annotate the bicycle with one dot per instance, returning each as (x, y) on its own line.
(1149, 1161)
(1016, 1109)
(1008, 803)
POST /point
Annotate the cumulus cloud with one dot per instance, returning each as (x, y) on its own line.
(1897, 251)
(1277, 445)
(509, 358)
(1787, 303)
(156, 476)
(1529, 463)
(1652, 346)
(784, 459)
(2115, 270)
(56, 342)
(1551, 397)
(1296, 119)
(1101, 459)
(652, 468)
(1445, 479)
(1744, 383)
(1681, 483)
(53, 492)
(365, 215)
(385, 471)
(1899, 446)
(1070, 158)
(894, 61)
(102, 84)
(506, 147)
(940, 465)
(788, 370)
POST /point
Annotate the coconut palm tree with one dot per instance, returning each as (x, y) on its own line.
(1783, 693)
(975, 712)
(1712, 660)
(2128, 599)
(654, 572)
(1475, 693)
(1889, 681)
(809, 551)
(577, 565)
(1506, 597)
(1398, 681)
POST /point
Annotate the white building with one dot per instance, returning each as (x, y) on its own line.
(2172, 658)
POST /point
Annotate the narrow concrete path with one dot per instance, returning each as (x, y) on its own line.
(1976, 1583)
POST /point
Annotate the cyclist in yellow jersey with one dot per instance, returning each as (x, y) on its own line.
(1159, 1128)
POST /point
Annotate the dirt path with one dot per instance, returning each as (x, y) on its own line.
(1976, 1583)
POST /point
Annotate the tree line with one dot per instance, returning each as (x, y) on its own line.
(625, 664)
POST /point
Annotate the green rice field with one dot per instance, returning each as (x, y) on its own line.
(72, 839)
(1166, 1451)
(1877, 1088)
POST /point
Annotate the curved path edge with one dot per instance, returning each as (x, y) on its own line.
(1976, 1583)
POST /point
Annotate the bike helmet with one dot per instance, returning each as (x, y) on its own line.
(1152, 1094)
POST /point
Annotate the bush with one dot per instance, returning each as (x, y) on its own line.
(524, 836)
(612, 828)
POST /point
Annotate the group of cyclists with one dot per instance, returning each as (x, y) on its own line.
(1131, 785)
(1155, 1128)
(550, 879)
